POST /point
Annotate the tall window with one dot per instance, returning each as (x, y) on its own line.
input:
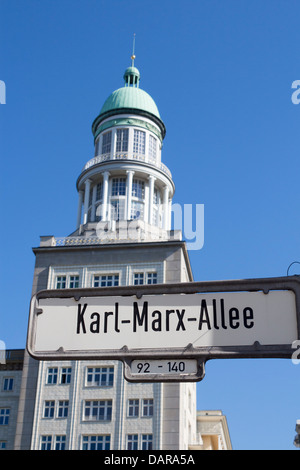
(61, 282)
(117, 208)
(152, 149)
(49, 409)
(118, 187)
(8, 384)
(99, 191)
(133, 408)
(106, 142)
(139, 139)
(52, 375)
(65, 377)
(138, 189)
(63, 408)
(4, 416)
(156, 207)
(122, 140)
(137, 210)
(137, 206)
(147, 407)
(97, 147)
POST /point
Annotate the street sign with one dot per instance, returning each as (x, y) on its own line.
(167, 323)
(151, 370)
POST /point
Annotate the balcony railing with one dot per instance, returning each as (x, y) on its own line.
(125, 156)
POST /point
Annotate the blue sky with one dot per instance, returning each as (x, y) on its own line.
(221, 74)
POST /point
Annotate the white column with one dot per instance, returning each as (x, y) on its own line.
(130, 174)
(166, 208)
(93, 213)
(105, 195)
(80, 200)
(146, 207)
(151, 194)
(86, 200)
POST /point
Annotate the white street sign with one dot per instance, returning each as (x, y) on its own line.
(167, 321)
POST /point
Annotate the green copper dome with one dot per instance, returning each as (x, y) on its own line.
(131, 98)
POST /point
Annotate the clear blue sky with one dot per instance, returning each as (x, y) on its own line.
(221, 74)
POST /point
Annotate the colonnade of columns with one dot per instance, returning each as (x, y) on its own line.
(84, 200)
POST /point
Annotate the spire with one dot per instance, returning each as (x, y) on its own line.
(133, 56)
(132, 75)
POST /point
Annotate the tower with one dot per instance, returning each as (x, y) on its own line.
(123, 236)
(126, 179)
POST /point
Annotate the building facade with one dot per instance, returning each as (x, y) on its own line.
(11, 367)
(123, 237)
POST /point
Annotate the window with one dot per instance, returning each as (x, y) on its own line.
(117, 209)
(151, 278)
(100, 376)
(138, 279)
(52, 375)
(106, 142)
(3, 445)
(49, 409)
(156, 197)
(71, 281)
(147, 407)
(97, 147)
(138, 189)
(63, 408)
(118, 187)
(98, 410)
(152, 149)
(106, 280)
(147, 441)
(61, 282)
(137, 210)
(132, 441)
(65, 376)
(139, 142)
(60, 442)
(4, 416)
(8, 384)
(96, 442)
(99, 191)
(46, 442)
(133, 408)
(122, 140)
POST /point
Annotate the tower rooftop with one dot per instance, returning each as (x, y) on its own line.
(130, 99)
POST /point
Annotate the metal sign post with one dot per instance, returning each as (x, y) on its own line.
(167, 332)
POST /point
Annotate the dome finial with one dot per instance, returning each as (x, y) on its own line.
(133, 56)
